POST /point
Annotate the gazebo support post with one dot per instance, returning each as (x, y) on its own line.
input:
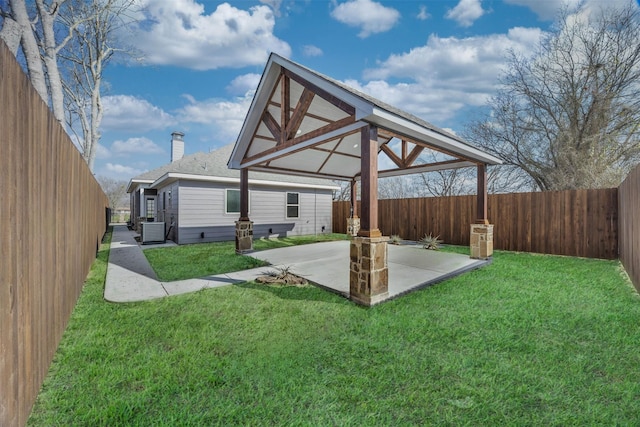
(244, 226)
(353, 222)
(369, 274)
(481, 241)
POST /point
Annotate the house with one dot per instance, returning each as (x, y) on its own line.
(198, 199)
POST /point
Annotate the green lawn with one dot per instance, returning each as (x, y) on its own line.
(203, 259)
(528, 340)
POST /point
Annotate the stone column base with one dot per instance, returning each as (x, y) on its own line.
(481, 241)
(369, 274)
(353, 226)
(244, 236)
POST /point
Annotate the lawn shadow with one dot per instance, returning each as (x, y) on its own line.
(309, 292)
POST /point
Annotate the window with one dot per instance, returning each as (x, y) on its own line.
(293, 205)
(151, 207)
(232, 201)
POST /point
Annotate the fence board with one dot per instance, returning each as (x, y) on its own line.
(52, 217)
(629, 235)
(576, 223)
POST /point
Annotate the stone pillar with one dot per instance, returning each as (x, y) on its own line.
(481, 241)
(369, 274)
(353, 226)
(244, 236)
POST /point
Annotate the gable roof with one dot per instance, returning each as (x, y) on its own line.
(304, 123)
(212, 166)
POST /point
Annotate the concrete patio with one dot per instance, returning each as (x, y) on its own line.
(410, 266)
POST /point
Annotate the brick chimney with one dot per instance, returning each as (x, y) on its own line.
(177, 146)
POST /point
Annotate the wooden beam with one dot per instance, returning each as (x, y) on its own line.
(481, 211)
(328, 155)
(354, 198)
(285, 96)
(264, 138)
(369, 190)
(275, 169)
(310, 115)
(413, 155)
(337, 102)
(244, 194)
(404, 149)
(324, 150)
(387, 134)
(298, 114)
(394, 158)
(446, 164)
(272, 125)
(310, 135)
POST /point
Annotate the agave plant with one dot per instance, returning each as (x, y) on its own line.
(395, 239)
(430, 242)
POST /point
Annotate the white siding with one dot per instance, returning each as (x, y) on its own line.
(168, 209)
(202, 210)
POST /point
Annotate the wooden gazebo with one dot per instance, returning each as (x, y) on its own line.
(303, 123)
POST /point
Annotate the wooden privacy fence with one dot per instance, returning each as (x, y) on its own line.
(52, 219)
(577, 223)
(629, 223)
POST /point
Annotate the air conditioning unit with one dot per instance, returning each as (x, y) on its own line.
(152, 232)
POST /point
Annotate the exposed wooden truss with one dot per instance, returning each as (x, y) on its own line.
(284, 134)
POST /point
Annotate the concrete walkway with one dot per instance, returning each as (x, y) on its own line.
(131, 278)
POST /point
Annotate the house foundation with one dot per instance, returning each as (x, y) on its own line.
(369, 273)
(481, 241)
(353, 226)
(244, 236)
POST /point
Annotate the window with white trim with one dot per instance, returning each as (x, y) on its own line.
(232, 201)
(151, 207)
(293, 205)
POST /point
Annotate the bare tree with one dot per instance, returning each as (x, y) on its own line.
(66, 45)
(395, 187)
(115, 189)
(49, 48)
(11, 31)
(93, 45)
(344, 193)
(569, 116)
(18, 30)
(37, 31)
(508, 179)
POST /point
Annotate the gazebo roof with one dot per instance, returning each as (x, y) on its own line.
(304, 123)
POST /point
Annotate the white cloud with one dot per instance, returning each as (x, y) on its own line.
(121, 171)
(466, 12)
(135, 145)
(423, 14)
(310, 50)
(226, 116)
(433, 104)
(447, 74)
(371, 17)
(546, 10)
(244, 84)
(180, 33)
(274, 4)
(129, 113)
(102, 152)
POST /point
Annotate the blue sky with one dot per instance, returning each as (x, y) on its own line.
(202, 61)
